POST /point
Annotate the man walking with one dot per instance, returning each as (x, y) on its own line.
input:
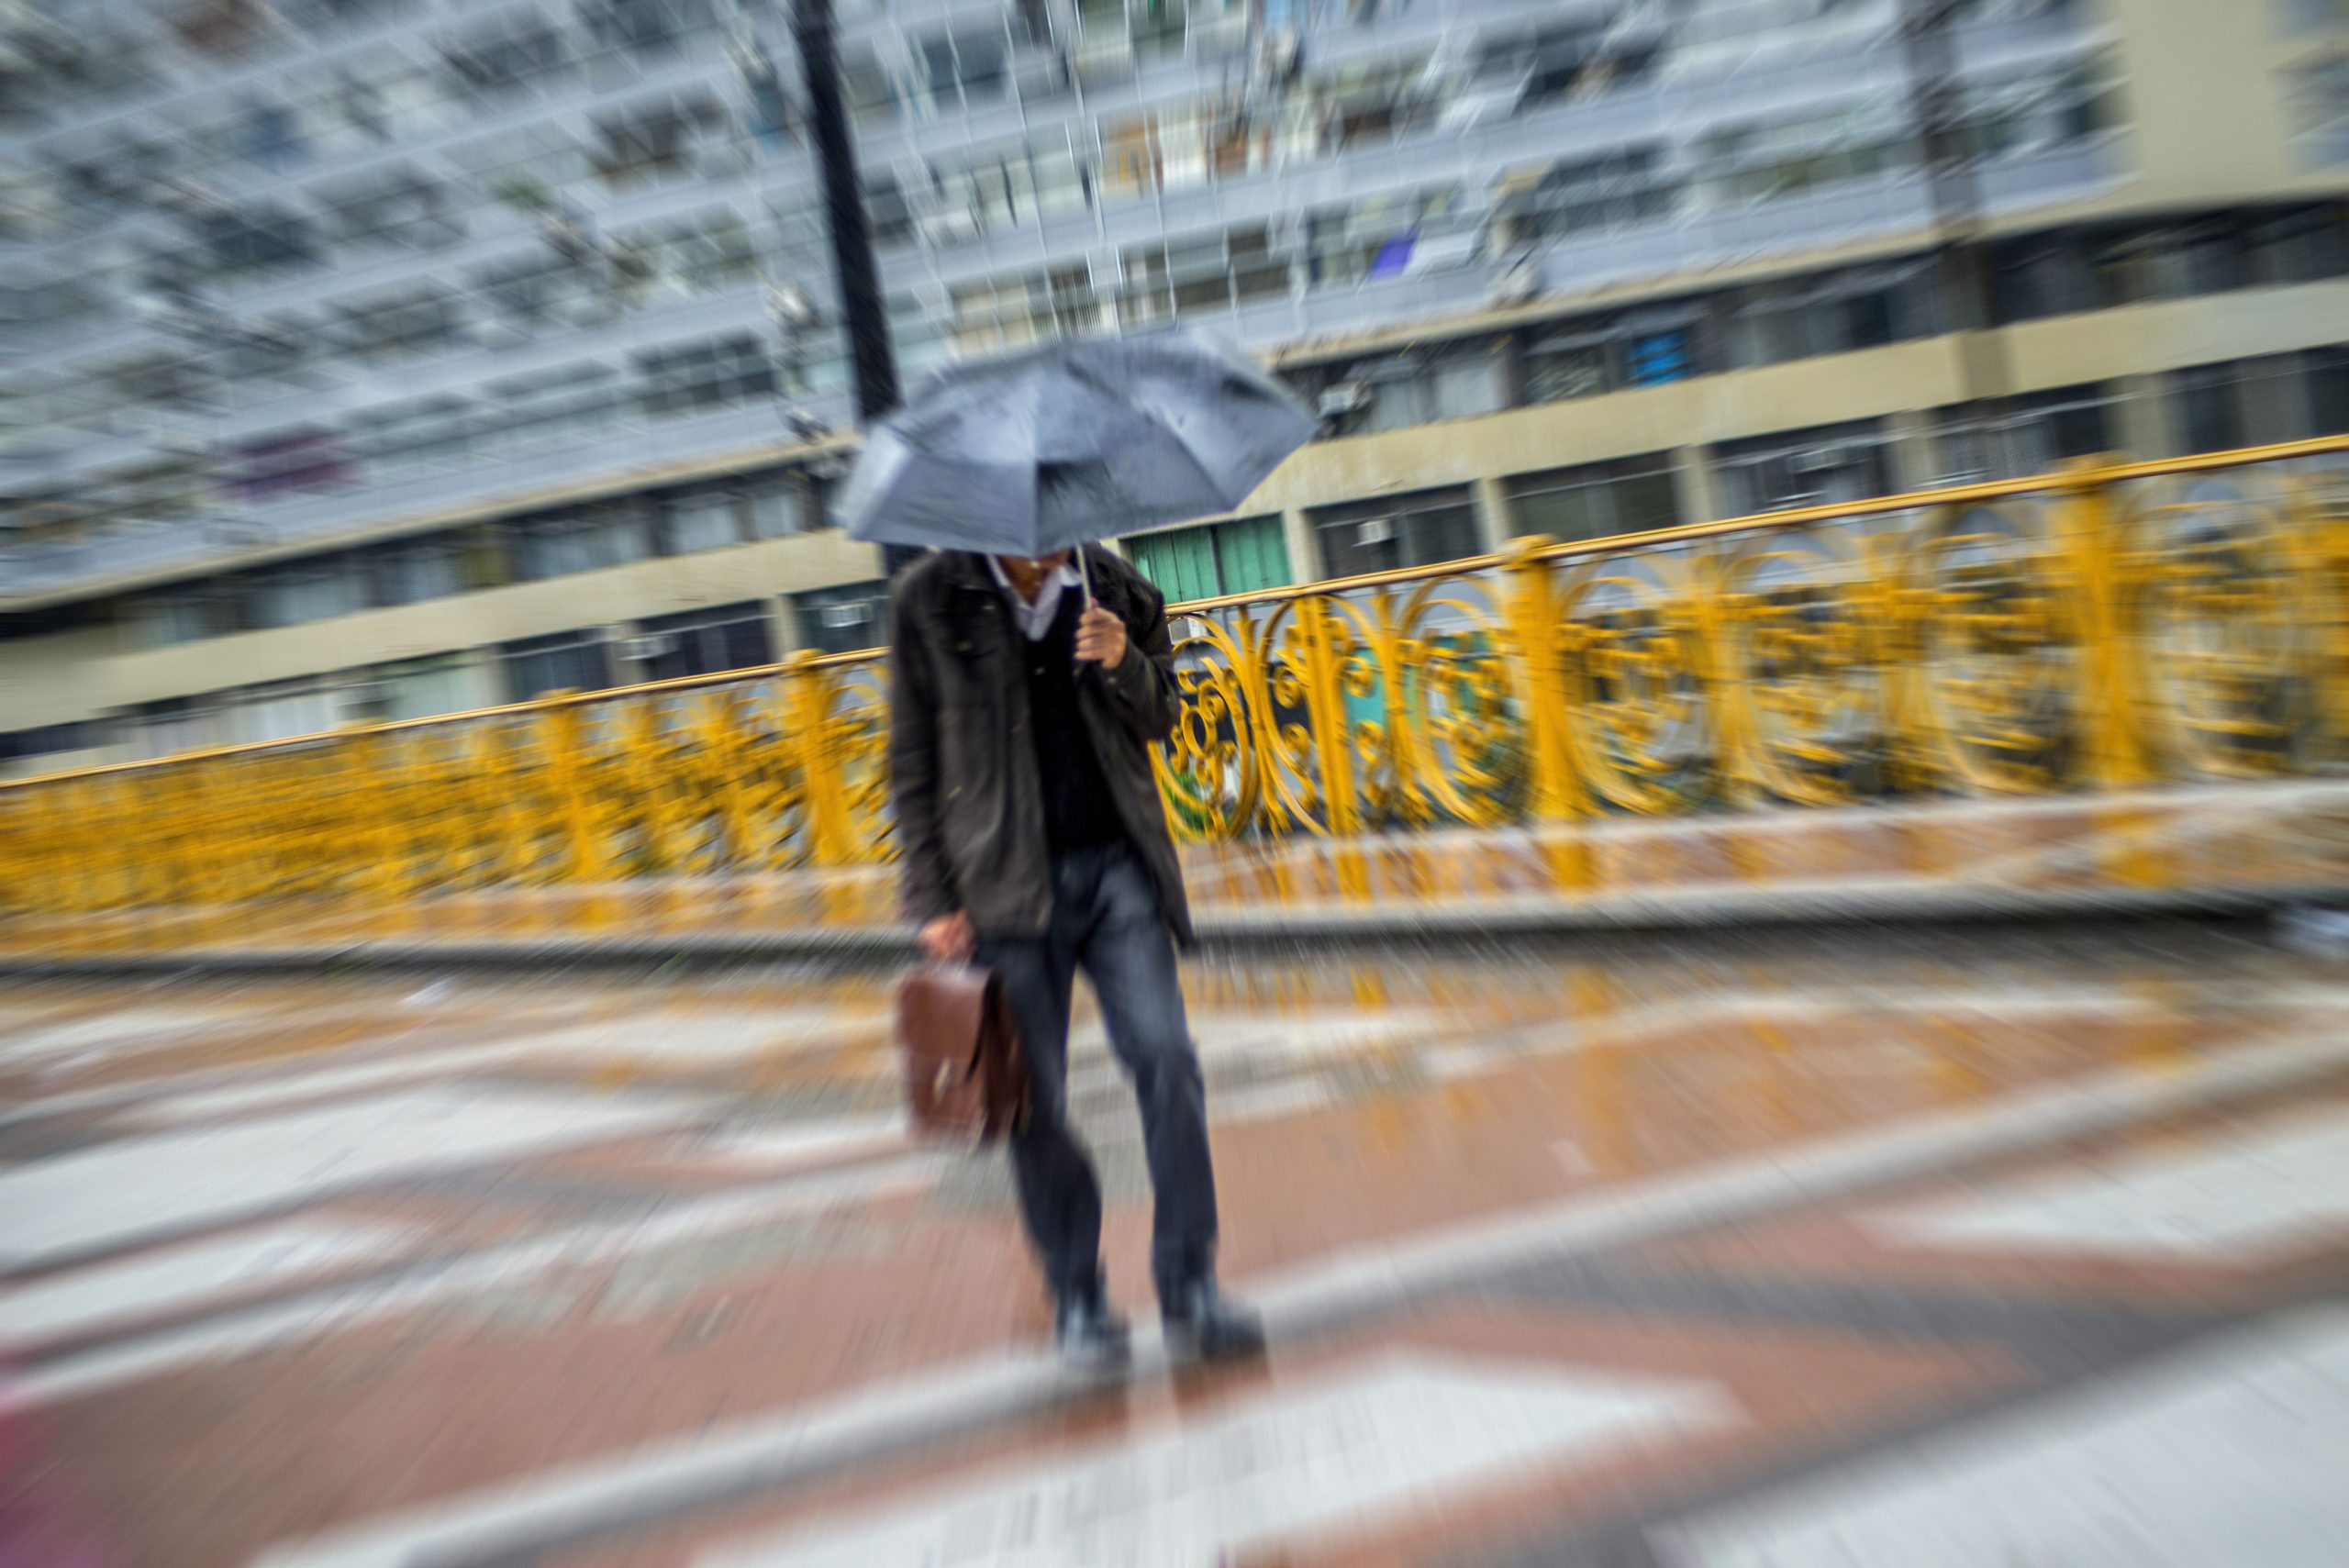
(1034, 841)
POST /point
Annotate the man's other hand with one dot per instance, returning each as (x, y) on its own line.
(1101, 637)
(949, 938)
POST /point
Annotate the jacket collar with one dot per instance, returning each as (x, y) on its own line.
(969, 569)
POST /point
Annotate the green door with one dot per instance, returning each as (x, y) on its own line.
(1213, 558)
(1251, 555)
(1180, 561)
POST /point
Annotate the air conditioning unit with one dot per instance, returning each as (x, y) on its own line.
(1518, 282)
(643, 650)
(1343, 397)
(1376, 530)
(840, 617)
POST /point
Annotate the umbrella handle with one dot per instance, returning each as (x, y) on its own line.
(1085, 575)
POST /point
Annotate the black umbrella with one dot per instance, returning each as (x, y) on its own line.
(1039, 452)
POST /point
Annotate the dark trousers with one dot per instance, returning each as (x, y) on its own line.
(1106, 921)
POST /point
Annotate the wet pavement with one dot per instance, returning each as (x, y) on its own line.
(1719, 1250)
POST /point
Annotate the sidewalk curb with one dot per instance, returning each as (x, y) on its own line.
(1680, 910)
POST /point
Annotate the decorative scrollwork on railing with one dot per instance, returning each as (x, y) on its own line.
(1802, 622)
(1644, 726)
(1999, 647)
(2229, 614)
(2092, 629)
(1211, 767)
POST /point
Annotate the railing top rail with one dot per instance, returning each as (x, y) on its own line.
(2082, 475)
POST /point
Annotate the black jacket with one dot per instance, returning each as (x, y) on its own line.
(963, 766)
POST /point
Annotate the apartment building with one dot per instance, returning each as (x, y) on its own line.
(375, 358)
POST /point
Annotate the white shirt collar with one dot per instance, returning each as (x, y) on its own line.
(1036, 619)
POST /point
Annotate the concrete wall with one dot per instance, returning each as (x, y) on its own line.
(2206, 105)
(77, 675)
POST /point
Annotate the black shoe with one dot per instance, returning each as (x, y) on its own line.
(1088, 1337)
(1202, 1326)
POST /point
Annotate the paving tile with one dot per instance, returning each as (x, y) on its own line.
(679, 1209)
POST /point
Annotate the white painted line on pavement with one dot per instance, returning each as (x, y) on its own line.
(791, 1146)
(678, 1472)
(143, 1188)
(2231, 1195)
(281, 1324)
(2231, 1452)
(176, 1278)
(1345, 1449)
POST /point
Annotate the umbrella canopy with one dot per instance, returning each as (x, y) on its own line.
(1041, 452)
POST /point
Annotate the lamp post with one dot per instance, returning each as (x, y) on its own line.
(871, 361)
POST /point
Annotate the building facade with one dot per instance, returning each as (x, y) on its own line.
(372, 359)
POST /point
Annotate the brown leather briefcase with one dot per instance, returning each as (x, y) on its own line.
(965, 1077)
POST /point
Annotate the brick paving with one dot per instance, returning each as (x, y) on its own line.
(488, 1270)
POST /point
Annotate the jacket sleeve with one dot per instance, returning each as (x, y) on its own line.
(927, 880)
(1142, 688)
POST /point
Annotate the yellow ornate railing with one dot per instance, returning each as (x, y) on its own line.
(2101, 628)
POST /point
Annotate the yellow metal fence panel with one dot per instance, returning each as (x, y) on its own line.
(2098, 629)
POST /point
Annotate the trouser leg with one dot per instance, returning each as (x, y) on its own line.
(1128, 955)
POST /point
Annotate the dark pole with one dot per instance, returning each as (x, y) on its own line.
(1954, 190)
(863, 317)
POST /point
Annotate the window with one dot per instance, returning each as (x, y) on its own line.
(186, 614)
(2040, 432)
(402, 208)
(2300, 247)
(727, 373)
(642, 26)
(1420, 530)
(1388, 237)
(493, 68)
(48, 741)
(266, 239)
(303, 591)
(282, 711)
(1591, 196)
(2328, 382)
(2208, 406)
(657, 142)
(427, 688)
(1865, 308)
(964, 70)
(177, 725)
(702, 642)
(412, 571)
(1560, 366)
(2045, 274)
(698, 521)
(1804, 468)
(1595, 500)
(407, 326)
(587, 539)
(268, 134)
(288, 462)
(844, 619)
(873, 97)
(1456, 381)
(1213, 558)
(709, 254)
(781, 504)
(567, 661)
